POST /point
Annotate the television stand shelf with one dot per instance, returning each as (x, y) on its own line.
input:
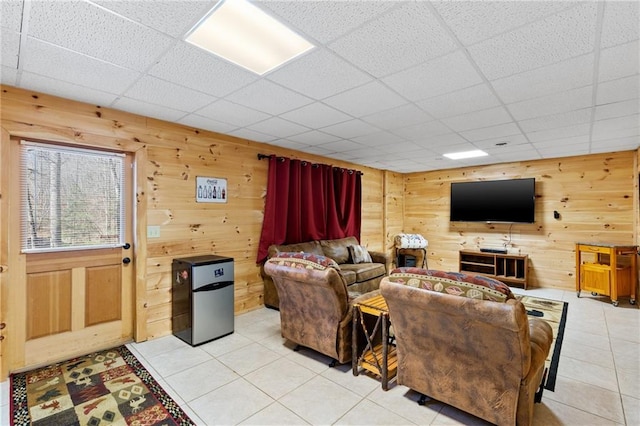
(511, 269)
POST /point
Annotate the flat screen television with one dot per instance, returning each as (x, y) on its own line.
(510, 200)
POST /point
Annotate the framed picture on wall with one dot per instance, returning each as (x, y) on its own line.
(211, 190)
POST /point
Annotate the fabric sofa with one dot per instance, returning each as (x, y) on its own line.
(360, 278)
(315, 309)
(467, 342)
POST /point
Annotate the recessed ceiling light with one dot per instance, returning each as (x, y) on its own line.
(242, 33)
(465, 154)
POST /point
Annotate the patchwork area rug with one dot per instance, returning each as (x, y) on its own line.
(555, 313)
(103, 388)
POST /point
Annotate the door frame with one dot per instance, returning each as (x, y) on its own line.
(13, 297)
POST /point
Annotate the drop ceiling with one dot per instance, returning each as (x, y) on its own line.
(390, 85)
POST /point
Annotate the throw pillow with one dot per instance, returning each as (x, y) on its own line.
(359, 254)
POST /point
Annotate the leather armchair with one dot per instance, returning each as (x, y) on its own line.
(483, 357)
(315, 310)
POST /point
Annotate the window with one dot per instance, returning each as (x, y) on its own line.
(71, 198)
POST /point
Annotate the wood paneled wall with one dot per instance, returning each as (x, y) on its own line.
(174, 155)
(596, 196)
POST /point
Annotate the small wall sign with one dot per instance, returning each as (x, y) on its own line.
(211, 190)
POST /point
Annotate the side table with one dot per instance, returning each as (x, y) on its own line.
(378, 356)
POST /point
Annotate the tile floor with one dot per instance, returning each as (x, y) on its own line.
(253, 377)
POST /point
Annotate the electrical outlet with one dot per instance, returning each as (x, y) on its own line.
(153, 231)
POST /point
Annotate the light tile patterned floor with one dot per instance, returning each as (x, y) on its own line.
(253, 377)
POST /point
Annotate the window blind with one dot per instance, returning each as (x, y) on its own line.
(71, 198)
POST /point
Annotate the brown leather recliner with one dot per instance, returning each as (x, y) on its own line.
(484, 357)
(315, 311)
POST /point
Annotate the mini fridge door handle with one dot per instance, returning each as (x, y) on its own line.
(214, 286)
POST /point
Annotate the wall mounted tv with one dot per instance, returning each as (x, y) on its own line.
(510, 200)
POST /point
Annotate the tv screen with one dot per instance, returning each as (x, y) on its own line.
(511, 200)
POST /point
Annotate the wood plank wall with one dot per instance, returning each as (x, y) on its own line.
(175, 155)
(596, 196)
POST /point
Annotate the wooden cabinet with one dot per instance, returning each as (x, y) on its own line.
(607, 269)
(511, 269)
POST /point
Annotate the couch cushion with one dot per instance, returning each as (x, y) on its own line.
(472, 286)
(359, 254)
(306, 247)
(348, 276)
(337, 249)
(364, 271)
(304, 261)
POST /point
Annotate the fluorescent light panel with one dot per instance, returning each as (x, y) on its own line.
(465, 154)
(243, 34)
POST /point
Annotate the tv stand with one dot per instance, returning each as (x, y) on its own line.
(511, 269)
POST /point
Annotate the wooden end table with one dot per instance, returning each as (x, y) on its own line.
(378, 356)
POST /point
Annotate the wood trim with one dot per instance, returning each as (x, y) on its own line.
(140, 333)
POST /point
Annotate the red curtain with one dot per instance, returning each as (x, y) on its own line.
(309, 202)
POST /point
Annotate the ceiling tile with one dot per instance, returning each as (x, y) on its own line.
(368, 99)
(206, 123)
(319, 74)
(510, 148)
(192, 67)
(252, 135)
(552, 104)
(380, 138)
(171, 17)
(513, 140)
(402, 116)
(448, 139)
(91, 30)
(523, 155)
(436, 77)
(474, 21)
(492, 132)
(11, 15)
(621, 144)
(478, 119)
(418, 132)
(160, 92)
(559, 133)
(618, 90)
(556, 120)
(619, 61)
(325, 20)
(460, 102)
(617, 109)
(66, 90)
(350, 129)
(8, 75)
(567, 75)
(149, 110)
(401, 38)
(317, 150)
(316, 115)
(602, 133)
(341, 146)
(576, 141)
(558, 37)
(601, 127)
(620, 23)
(276, 126)
(10, 48)
(65, 65)
(268, 97)
(314, 137)
(231, 113)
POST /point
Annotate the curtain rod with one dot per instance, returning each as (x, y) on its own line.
(263, 156)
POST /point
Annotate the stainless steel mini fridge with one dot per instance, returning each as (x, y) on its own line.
(202, 302)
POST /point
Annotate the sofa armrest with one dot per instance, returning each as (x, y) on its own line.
(380, 257)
